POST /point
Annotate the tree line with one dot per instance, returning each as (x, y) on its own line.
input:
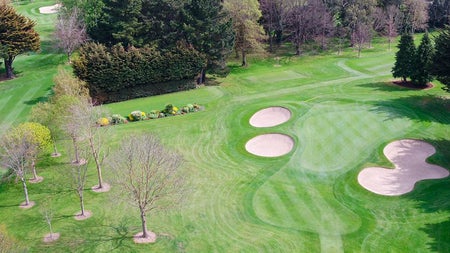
(212, 30)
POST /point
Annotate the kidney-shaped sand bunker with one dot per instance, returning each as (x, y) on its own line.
(270, 117)
(270, 145)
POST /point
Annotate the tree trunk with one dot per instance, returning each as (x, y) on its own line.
(297, 49)
(55, 149)
(144, 223)
(244, 59)
(50, 227)
(80, 194)
(25, 190)
(33, 167)
(75, 149)
(271, 39)
(389, 43)
(97, 163)
(8, 67)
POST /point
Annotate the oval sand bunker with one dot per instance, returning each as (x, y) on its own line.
(270, 145)
(270, 117)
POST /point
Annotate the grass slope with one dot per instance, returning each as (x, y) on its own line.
(344, 113)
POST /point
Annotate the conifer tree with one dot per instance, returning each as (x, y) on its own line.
(17, 36)
(210, 31)
(405, 57)
(441, 59)
(423, 60)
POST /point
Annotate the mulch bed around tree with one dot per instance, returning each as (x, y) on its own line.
(410, 85)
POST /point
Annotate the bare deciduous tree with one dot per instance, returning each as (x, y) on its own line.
(272, 20)
(149, 175)
(48, 213)
(79, 176)
(74, 126)
(392, 14)
(307, 21)
(16, 155)
(415, 15)
(96, 136)
(83, 129)
(70, 31)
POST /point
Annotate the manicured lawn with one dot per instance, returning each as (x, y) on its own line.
(344, 112)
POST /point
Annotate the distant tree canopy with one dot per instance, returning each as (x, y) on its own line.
(115, 74)
(200, 24)
(17, 36)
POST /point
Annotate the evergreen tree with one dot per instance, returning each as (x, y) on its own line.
(17, 36)
(405, 57)
(210, 31)
(118, 23)
(424, 55)
(440, 66)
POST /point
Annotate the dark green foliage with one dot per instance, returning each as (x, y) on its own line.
(209, 30)
(92, 11)
(439, 13)
(405, 57)
(17, 36)
(441, 59)
(115, 74)
(424, 55)
(119, 23)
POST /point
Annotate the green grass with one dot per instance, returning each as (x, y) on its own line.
(344, 113)
(35, 71)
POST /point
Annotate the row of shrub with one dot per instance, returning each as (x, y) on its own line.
(169, 110)
(136, 72)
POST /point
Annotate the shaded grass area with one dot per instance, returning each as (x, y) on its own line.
(344, 113)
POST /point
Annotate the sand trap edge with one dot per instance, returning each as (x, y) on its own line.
(270, 145)
(367, 177)
(270, 116)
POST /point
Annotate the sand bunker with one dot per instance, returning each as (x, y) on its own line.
(409, 157)
(270, 145)
(270, 117)
(50, 9)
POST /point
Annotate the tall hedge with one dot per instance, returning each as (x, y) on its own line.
(115, 74)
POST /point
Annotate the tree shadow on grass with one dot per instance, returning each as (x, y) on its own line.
(423, 107)
(90, 236)
(433, 196)
(40, 99)
(384, 86)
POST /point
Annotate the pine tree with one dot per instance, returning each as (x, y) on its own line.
(210, 31)
(440, 66)
(405, 57)
(423, 60)
(17, 36)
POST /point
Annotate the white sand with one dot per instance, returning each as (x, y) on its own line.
(50, 9)
(270, 145)
(270, 117)
(409, 157)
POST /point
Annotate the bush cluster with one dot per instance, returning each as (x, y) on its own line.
(118, 73)
(169, 110)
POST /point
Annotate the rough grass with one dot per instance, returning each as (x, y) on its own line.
(344, 113)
